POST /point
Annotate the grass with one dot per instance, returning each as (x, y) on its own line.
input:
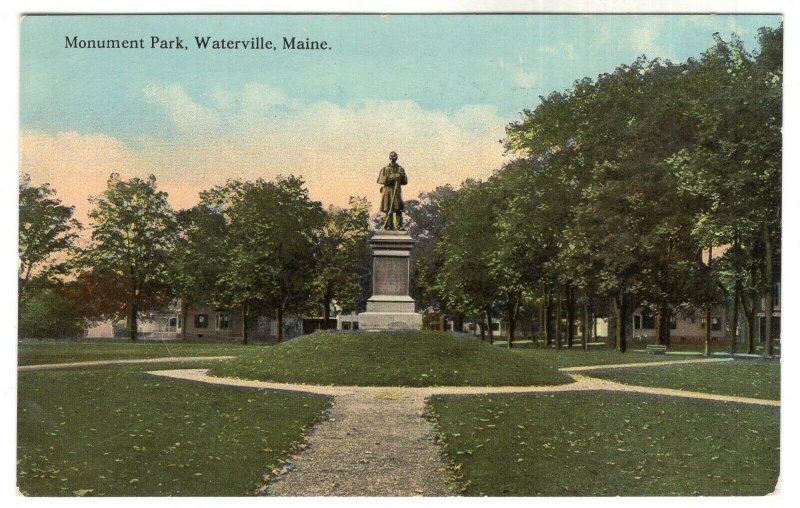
(113, 431)
(577, 357)
(33, 352)
(744, 378)
(607, 444)
(390, 359)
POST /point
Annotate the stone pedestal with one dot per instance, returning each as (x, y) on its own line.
(390, 307)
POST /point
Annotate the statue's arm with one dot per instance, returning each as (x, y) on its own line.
(403, 177)
(382, 176)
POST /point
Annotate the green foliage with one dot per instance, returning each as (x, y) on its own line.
(46, 236)
(132, 239)
(608, 444)
(340, 252)
(115, 432)
(464, 283)
(390, 359)
(49, 313)
(199, 256)
(425, 223)
(271, 242)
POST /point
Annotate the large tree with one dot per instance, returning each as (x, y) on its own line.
(734, 168)
(342, 243)
(465, 282)
(273, 237)
(47, 232)
(133, 233)
(200, 256)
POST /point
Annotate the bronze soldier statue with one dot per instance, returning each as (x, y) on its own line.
(392, 177)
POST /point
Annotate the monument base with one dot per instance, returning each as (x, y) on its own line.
(390, 307)
(385, 321)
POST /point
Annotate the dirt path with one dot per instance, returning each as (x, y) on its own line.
(95, 363)
(375, 443)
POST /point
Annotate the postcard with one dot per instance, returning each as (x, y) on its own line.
(400, 255)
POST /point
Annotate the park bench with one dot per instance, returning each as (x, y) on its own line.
(656, 349)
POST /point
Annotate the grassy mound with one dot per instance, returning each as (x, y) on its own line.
(390, 359)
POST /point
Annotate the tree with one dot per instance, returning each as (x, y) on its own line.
(199, 256)
(50, 313)
(424, 223)
(274, 230)
(132, 238)
(734, 168)
(47, 232)
(464, 282)
(341, 247)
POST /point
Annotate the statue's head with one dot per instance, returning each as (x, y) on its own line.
(393, 156)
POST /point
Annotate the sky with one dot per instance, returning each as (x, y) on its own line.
(437, 89)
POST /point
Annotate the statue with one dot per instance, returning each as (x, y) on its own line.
(392, 177)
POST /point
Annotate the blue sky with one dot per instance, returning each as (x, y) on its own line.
(439, 89)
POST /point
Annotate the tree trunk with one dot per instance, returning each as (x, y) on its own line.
(621, 311)
(326, 308)
(586, 330)
(548, 317)
(134, 319)
(769, 305)
(558, 321)
(707, 342)
(489, 324)
(483, 330)
(542, 333)
(245, 311)
(750, 319)
(570, 301)
(513, 307)
(737, 297)
(184, 314)
(611, 334)
(662, 325)
(279, 319)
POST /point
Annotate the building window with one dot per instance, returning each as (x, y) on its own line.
(201, 321)
(648, 321)
(355, 325)
(673, 322)
(222, 321)
(345, 325)
(637, 322)
(173, 322)
(716, 323)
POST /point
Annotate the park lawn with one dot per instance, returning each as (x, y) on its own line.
(33, 352)
(115, 431)
(607, 444)
(756, 378)
(390, 359)
(576, 357)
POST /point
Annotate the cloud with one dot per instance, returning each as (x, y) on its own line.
(76, 165)
(566, 50)
(185, 115)
(519, 76)
(259, 131)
